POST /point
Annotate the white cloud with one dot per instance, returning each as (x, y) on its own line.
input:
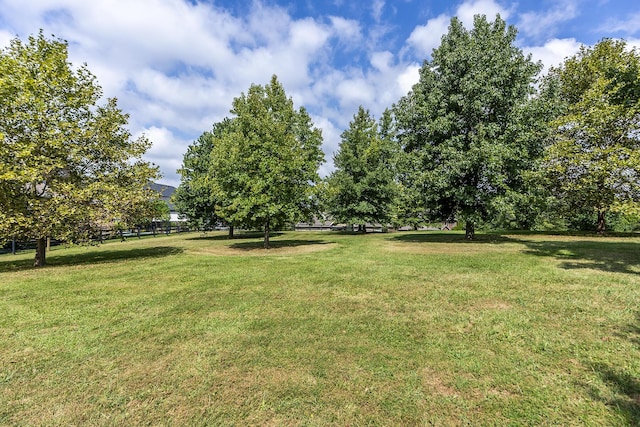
(307, 35)
(633, 43)
(425, 38)
(467, 10)
(544, 24)
(628, 26)
(5, 38)
(554, 52)
(166, 152)
(381, 60)
(331, 138)
(267, 23)
(407, 78)
(347, 30)
(354, 92)
(376, 9)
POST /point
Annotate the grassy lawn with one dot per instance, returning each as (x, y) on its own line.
(324, 329)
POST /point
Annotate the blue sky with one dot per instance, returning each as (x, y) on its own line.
(176, 65)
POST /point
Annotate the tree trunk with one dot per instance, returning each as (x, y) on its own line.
(266, 235)
(470, 232)
(41, 252)
(602, 222)
(230, 236)
(364, 228)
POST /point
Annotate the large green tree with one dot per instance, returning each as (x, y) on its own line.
(67, 164)
(459, 120)
(193, 197)
(265, 166)
(362, 187)
(594, 160)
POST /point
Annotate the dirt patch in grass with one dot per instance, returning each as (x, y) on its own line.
(438, 248)
(493, 305)
(434, 383)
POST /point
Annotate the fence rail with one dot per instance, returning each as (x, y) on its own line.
(103, 235)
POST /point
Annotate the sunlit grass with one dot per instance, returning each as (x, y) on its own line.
(382, 329)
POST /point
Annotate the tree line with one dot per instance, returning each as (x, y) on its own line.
(481, 139)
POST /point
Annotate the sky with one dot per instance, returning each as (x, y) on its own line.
(175, 66)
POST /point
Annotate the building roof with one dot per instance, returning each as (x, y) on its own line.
(165, 191)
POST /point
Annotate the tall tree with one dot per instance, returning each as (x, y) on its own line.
(265, 166)
(594, 160)
(193, 197)
(67, 164)
(362, 187)
(458, 120)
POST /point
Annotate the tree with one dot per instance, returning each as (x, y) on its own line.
(362, 188)
(193, 197)
(265, 166)
(68, 165)
(459, 119)
(594, 159)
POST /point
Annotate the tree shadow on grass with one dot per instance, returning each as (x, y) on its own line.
(449, 237)
(625, 389)
(597, 254)
(278, 244)
(236, 236)
(632, 332)
(617, 257)
(90, 257)
(622, 393)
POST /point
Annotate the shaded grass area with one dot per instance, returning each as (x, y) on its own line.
(277, 244)
(61, 258)
(327, 329)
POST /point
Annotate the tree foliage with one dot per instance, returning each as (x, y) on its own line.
(362, 187)
(193, 197)
(459, 121)
(265, 166)
(67, 164)
(594, 160)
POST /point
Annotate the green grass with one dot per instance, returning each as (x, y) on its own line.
(324, 329)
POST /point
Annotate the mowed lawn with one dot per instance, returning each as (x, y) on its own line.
(324, 329)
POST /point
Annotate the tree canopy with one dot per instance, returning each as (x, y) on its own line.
(362, 188)
(67, 163)
(594, 160)
(458, 121)
(193, 197)
(264, 168)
